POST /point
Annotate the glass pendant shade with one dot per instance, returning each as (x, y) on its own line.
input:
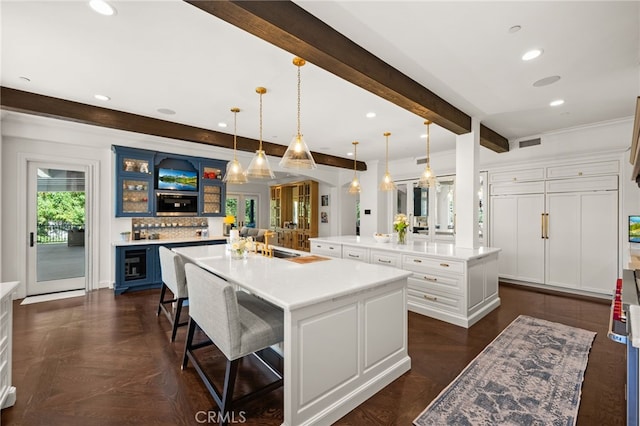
(235, 173)
(354, 187)
(297, 155)
(427, 180)
(259, 167)
(387, 183)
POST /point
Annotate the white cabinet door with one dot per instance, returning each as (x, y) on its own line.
(516, 226)
(582, 249)
(563, 242)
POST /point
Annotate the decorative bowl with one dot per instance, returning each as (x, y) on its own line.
(382, 238)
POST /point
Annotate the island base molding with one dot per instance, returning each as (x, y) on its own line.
(459, 320)
(343, 351)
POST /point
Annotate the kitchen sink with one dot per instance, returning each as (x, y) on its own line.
(284, 254)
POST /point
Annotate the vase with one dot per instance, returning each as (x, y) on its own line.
(238, 254)
(402, 237)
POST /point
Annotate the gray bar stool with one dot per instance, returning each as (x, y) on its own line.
(238, 323)
(173, 277)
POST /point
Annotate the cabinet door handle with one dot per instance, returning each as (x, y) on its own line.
(431, 279)
(417, 260)
(30, 239)
(546, 228)
(432, 298)
(542, 225)
(444, 265)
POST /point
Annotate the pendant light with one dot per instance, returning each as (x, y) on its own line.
(427, 180)
(354, 188)
(387, 183)
(259, 167)
(234, 173)
(297, 155)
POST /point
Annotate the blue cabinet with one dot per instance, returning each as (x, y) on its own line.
(134, 182)
(138, 266)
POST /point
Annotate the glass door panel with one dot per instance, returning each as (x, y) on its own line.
(445, 207)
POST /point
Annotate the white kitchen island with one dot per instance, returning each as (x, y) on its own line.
(345, 326)
(453, 284)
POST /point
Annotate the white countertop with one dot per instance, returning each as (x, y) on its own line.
(8, 287)
(168, 240)
(290, 285)
(438, 249)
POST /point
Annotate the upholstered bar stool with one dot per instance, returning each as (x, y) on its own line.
(173, 277)
(238, 323)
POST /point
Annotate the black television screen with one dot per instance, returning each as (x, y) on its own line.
(179, 180)
(634, 229)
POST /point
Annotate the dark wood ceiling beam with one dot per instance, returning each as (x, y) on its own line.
(47, 106)
(288, 26)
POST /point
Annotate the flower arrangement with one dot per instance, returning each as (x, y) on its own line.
(240, 246)
(400, 225)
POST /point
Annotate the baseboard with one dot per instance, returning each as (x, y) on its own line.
(557, 291)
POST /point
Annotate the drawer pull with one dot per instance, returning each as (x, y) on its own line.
(431, 279)
(330, 248)
(444, 265)
(354, 255)
(384, 261)
(432, 298)
(417, 260)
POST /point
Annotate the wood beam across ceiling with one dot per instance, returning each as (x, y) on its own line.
(47, 106)
(290, 27)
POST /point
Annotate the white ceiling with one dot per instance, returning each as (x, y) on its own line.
(169, 54)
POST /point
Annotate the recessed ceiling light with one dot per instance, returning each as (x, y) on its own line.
(423, 136)
(350, 154)
(371, 114)
(515, 29)
(532, 54)
(101, 97)
(546, 81)
(166, 111)
(557, 102)
(102, 7)
(221, 124)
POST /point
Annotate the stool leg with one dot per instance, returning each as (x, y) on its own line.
(162, 292)
(227, 394)
(176, 320)
(188, 343)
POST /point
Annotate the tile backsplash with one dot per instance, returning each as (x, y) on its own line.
(168, 227)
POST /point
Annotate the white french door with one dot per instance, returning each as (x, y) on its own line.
(245, 208)
(56, 220)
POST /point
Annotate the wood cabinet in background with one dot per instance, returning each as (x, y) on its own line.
(294, 213)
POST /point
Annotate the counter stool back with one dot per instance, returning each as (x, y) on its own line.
(238, 323)
(173, 277)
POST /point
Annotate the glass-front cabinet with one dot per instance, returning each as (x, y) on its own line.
(432, 211)
(134, 182)
(212, 189)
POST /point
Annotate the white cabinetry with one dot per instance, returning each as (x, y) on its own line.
(360, 254)
(559, 232)
(387, 258)
(7, 392)
(458, 292)
(516, 227)
(459, 286)
(326, 249)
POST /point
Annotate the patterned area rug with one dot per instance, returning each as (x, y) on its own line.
(531, 374)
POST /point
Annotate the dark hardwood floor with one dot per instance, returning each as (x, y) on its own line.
(107, 360)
